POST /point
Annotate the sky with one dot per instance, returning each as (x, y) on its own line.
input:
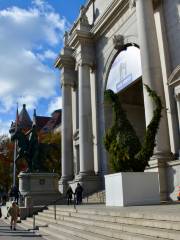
(31, 37)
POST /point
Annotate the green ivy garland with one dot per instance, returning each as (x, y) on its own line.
(121, 141)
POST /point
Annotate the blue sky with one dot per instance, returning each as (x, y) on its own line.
(31, 36)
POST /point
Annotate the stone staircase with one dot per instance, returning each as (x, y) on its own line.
(97, 222)
(98, 197)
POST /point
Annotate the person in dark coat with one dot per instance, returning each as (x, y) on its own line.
(78, 193)
(69, 194)
(14, 193)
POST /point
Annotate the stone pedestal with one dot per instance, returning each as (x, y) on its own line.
(89, 183)
(39, 188)
(132, 188)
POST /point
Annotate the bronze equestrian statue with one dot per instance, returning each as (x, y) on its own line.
(28, 148)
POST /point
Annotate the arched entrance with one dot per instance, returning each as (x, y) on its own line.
(125, 79)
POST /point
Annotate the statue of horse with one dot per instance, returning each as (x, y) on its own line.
(25, 150)
(31, 150)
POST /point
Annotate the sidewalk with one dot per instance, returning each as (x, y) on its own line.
(7, 234)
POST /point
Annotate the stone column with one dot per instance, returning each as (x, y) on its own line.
(67, 65)
(152, 76)
(75, 118)
(67, 142)
(85, 121)
(85, 57)
(94, 106)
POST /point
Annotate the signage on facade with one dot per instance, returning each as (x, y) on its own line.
(125, 69)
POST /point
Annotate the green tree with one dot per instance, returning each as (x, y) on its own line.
(124, 147)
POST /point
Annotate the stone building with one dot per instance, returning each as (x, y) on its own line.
(120, 44)
(43, 124)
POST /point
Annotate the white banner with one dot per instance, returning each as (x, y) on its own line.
(125, 69)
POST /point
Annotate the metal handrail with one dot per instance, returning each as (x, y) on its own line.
(55, 210)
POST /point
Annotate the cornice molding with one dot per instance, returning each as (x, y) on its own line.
(65, 61)
(80, 37)
(114, 11)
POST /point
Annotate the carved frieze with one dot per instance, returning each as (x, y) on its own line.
(118, 41)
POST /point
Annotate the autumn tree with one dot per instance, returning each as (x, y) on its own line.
(53, 143)
(6, 161)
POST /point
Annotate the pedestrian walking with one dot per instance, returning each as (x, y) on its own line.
(78, 193)
(14, 194)
(13, 212)
(69, 194)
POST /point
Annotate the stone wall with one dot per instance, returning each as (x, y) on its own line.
(172, 19)
(173, 177)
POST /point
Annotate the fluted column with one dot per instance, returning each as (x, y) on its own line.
(152, 76)
(85, 59)
(151, 69)
(67, 65)
(93, 82)
(85, 121)
(67, 143)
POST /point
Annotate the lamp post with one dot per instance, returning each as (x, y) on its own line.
(15, 149)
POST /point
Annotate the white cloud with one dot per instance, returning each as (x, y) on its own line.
(48, 54)
(4, 127)
(27, 38)
(55, 104)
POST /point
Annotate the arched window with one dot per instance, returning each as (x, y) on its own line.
(125, 69)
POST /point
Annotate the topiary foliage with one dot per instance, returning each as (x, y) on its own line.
(149, 140)
(121, 141)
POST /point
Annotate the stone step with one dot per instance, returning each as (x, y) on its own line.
(50, 234)
(102, 229)
(38, 223)
(106, 228)
(101, 223)
(108, 220)
(120, 213)
(93, 235)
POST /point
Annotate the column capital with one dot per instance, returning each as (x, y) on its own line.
(67, 83)
(65, 59)
(86, 62)
(85, 55)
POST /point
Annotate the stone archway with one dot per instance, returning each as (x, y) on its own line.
(125, 79)
(120, 43)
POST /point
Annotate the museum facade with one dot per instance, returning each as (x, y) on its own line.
(120, 45)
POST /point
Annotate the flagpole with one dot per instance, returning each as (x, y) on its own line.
(15, 150)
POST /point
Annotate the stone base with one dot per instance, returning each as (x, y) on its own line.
(39, 188)
(159, 165)
(90, 184)
(132, 188)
